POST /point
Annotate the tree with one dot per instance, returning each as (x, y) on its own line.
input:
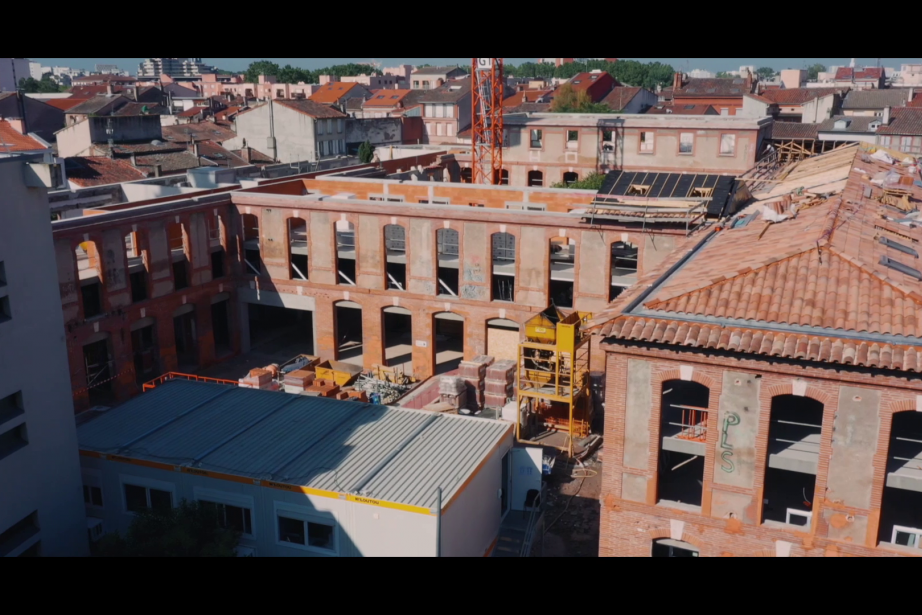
(722, 74)
(194, 529)
(568, 100)
(765, 72)
(813, 72)
(30, 85)
(366, 152)
(262, 67)
(593, 181)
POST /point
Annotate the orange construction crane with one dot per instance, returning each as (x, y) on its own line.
(487, 89)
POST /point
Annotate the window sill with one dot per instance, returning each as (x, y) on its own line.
(686, 154)
(727, 155)
(791, 527)
(647, 153)
(901, 549)
(679, 506)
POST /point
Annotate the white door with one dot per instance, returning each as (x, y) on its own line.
(526, 474)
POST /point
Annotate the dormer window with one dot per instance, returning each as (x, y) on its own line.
(842, 124)
(874, 125)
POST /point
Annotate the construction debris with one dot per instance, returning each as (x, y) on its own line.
(380, 391)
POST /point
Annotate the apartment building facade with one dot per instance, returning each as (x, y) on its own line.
(762, 411)
(41, 510)
(541, 148)
(292, 130)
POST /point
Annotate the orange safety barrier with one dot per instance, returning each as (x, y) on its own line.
(171, 375)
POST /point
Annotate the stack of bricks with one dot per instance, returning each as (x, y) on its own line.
(474, 373)
(453, 391)
(322, 388)
(259, 379)
(500, 383)
(296, 381)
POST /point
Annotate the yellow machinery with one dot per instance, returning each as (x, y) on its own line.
(552, 380)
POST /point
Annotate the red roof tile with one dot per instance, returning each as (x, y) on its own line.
(525, 96)
(620, 97)
(797, 96)
(88, 171)
(791, 288)
(332, 92)
(712, 87)
(64, 103)
(682, 109)
(847, 73)
(904, 121)
(12, 141)
(386, 98)
(192, 112)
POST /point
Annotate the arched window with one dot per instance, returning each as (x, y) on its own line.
(395, 244)
(535, 178)
(683, 433)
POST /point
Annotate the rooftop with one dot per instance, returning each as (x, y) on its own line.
(87, 171)
(386, 98)
(64, 104)
(847, 73)
(525, 96)
(450, 91)
(876, 99)
(619, 97)
(793, 130)
(903, 121)
(816, 269)
(339, 447)
(635, 120)
(332, 92)
(435, 70)
(310, 107)
(97, 103)
(13, 141)
(796, 96)
(709, 88)
(200, 132)
(106, 78)
(853, 123)
(682, 109)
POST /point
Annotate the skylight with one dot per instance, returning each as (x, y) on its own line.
(898, 246)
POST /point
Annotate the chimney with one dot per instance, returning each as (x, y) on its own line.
(134, 159)
(885, 119)
(157, 170)
(909, 95)
(677, 80)
(109, 90)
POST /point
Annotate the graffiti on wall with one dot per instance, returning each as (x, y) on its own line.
(726, 455)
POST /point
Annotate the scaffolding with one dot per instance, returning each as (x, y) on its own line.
(552, 380)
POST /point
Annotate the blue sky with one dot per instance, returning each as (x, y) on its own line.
(714, 64)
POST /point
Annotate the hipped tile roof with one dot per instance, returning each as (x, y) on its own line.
(796, 96)
(904, 121)
(876, 99)
(309, 107)
(812, 287)
(13, 141)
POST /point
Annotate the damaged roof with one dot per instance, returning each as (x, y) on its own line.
(829, 275)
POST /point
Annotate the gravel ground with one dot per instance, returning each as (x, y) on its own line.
(572, 511)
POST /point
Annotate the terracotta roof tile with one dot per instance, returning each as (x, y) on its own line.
(89, 171)
(64, 103)
(793, 130)
(203, 131)
(795, 288)
(192, 112)
(797, 96)
(846, 73)
(711, 87)
(12, 141)
(620, 97)
(386, 98)
(904, 121)
(525, 96)
(332, 92)
(682, 109)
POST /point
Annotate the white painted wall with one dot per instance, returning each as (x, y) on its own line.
(44, 475)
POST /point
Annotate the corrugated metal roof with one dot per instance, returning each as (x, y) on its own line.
(119, 427)
(386, 453)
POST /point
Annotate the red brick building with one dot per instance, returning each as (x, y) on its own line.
(725, 95)
(763, 395)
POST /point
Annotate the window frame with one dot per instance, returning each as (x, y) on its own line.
(147, 484)
(568, 141)
(641, 142)
(720, 145)
(679, 151)
(307, 515)
(531, 139)
(907, 530)
(224, 498)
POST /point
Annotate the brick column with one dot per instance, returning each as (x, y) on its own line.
(372, 335)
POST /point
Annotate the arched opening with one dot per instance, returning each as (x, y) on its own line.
(186, 337)
(99, 369)
(398, 338)
(503, 246)
(467, 175)
(562, 255)
(395, 244)
(345, 253)
(901, 506)
(220, 324)
(449, 253)
(252, 262)
(667, 547)
(216, 245)
(683, 436)
(178, 237)
(502, 175)
(297, 248)
(794, 430)
(137, 273)
(448, 332)
(89, 270)
(145, 349)
(623, 269)
(503, 336)
(535, 178)
(570, 177)
(347, 323)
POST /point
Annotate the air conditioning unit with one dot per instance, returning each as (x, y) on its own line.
(94, 529)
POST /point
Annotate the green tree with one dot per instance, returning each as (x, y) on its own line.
(593, 181)
(29, 85)
(568, 100)
(194, 529)
(366, 152)
(814, 71)
(722, 74)
(261, 67)
(765, 72)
